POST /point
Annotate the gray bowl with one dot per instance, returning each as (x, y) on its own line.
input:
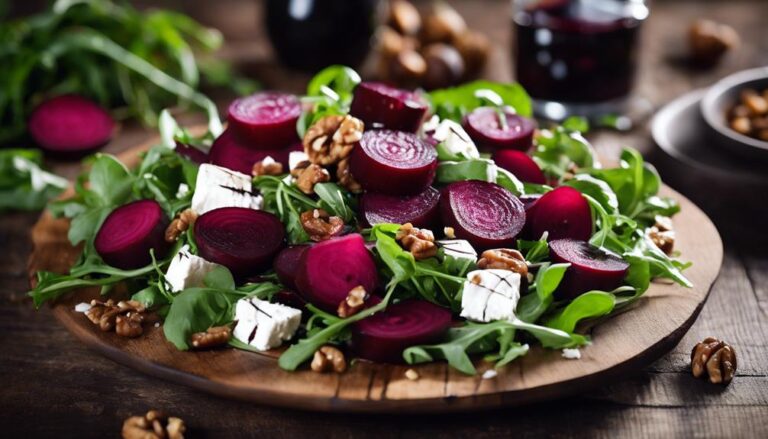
(719, 98)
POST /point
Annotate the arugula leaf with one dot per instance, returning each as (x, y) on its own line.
(287, 202)
(335, 200)
(24, 185)
(588, 305)
(558, 149)
(534, 305)
(329, 92)
(453, 103)
(194, 310)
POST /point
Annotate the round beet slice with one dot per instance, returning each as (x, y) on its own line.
(384, 336)
(421, 210)
(243, 240)
(381, 106)
(265, 120)
(529, 201)
(286, 264)
(231, 152)
(483, 127)
(393, 163)
(70, 125)
(130, 232)
(520, 164)
(564, 213)
(592, 268)
(329, 269)
(485, 214)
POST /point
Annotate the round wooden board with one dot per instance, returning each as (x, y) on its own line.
(621, 346)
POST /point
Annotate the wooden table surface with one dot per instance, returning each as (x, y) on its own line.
(52, 386)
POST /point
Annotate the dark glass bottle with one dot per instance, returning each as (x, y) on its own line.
(311, 34)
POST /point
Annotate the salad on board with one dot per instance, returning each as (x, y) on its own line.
(364, 221)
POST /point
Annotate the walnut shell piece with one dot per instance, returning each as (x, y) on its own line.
(327, 359)
(331, 139)
(504, 259)
(321, 226)
(714, 358)
(154, 425)
(419, 242)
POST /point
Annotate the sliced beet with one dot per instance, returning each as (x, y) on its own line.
(265, 120)
(393, 163)
(485, 214)
(520, 164)
(380, 106)
(421, 210)
(243, 240)
(529, 201)
(130, 232)
(286, 264)
(192, 153)
(384, 336)
(592, 268)
(329, 269)
(290, 298)
(70, 125)
(564, 213)
(231, 152)
(484, 128)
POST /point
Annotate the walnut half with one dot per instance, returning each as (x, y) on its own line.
(420, 242)
(504, 259)
(331, 139)
(213, 337)
(154, 425)
(328, 359)
(179, 225)
(716, 359)
(353, 303)
(320, 226)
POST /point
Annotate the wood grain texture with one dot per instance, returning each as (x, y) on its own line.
(622, 345)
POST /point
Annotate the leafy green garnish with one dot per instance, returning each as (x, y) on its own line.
(24, 185)
(329, 93)
(454, 103)
(287, 202)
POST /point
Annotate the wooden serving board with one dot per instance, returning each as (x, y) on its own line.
(621, 345)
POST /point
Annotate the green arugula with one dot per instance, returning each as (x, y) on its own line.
(453, 103)
(329, 92)
(24, 185)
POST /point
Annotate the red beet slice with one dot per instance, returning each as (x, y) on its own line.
(130, 232)
(393, 163)
(421, 210)
(592, 268)
(265, 120)
(485, 214)
(483, 127)
(230, 152)
(529, 201)
(384, 336)
(381, 106)
(191, 153)
(329, 269)
(70, 125)
(243, 240)
(520, 164)
(286, 264)
(564, 213)
(291, 298)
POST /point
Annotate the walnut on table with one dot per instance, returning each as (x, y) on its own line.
(154, 425)
(715, 359)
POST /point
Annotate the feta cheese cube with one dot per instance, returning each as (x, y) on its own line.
(220, 187)
(458, 248)
(296, 157)
(572, 354)
(490, 295)
(264, 325)
(187, 270)
(455, 141)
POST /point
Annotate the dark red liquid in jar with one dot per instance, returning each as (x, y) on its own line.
(577, 51)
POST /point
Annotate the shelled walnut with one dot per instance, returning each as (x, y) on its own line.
(125, 317)
(346, 180)
(154, 425)
(268, 166)
(327, 359)
(708, 41)
(749, 116)
(213, 337)
(419, 242)
(321, 226)
(307, 178)
(662, 234)
(353, 303)
(504, 259)
(331, 139)
(714, 358)
(179, 225)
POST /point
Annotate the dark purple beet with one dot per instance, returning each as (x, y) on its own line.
(393, 163)
(265, 120)
(243, 240)
(421, 210)
(382, 106)
(230, 152)
(130, 232)
(70, 125)
(591, 267)
(485, 214)
(384, 336)
(529, 201)
(286, 264)
(329, 269)
(520, 164)
(483, 127)
(291, 298)
(191, 153)
(564, 213)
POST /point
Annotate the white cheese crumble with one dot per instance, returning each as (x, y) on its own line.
(458, 248)
(221, 187)
(187, 270)
(489, 374)
(296, 157)
(490, 295)
(264, 325)
(455, 140)
(182, 191)
(572, 354)
(82, 307)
